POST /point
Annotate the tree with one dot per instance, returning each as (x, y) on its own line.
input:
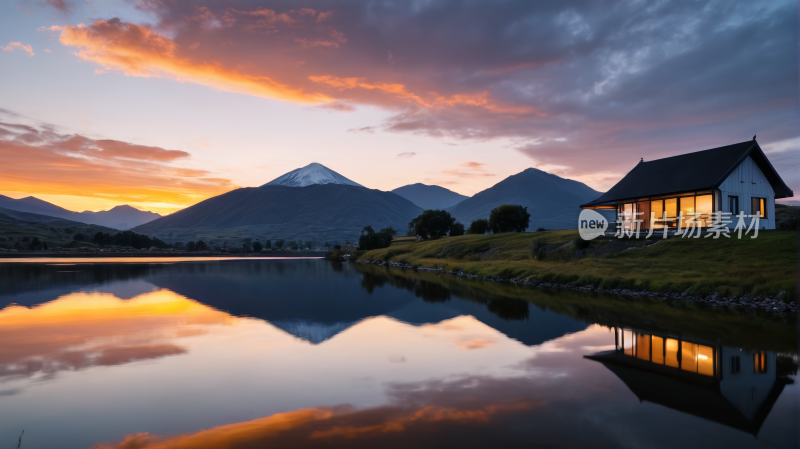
(279, 243)
(200, 246)
(268, 244)
(246, 246)
(79, 237)
(190, 246)
(36, 243)
(509, 218)
(257, 246)
(412, 226)
(178, 245)
(293, 245)
(433, 224)
(479, 226)
(370, 239)
(457, 229)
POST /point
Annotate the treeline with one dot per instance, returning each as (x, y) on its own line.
(124, 238)
(434, 224)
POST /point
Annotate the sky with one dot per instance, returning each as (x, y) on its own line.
(162, 103)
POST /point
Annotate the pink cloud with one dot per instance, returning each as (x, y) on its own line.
(26, 48)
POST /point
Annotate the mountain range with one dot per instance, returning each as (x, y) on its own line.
(314, 202)
(552, 201)
(310, 203)
(120, 217)
(318, 204)
(429, 197)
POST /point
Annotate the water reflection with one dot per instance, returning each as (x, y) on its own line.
(733, 386)
(313, 354)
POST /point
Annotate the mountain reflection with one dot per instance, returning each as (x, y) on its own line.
(300, 353)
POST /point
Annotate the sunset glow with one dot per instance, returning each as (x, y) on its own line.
(161, 105)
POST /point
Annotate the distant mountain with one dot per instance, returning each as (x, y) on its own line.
(336, 210)
(46, 228)
(311, 174)
(120, 217)
(35, 206)
(552, 201)
(429, 197)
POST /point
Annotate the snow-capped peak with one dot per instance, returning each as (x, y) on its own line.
(311, 174)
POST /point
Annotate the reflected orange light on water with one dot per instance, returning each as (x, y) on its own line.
(337, 426)
(91, 329)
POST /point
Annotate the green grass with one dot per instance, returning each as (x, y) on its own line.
(762, 267)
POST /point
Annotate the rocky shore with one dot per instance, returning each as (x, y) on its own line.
(776, 303)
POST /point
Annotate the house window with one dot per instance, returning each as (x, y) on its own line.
(704, 205)
(760, 207)
(671, 206)
(733, 205)
(736, 364)
(760, 362)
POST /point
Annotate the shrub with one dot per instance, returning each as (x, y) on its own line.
(479, 226)
(370, 239)
(509, 218)
(538, 250)
(457, 229)
(540, 229)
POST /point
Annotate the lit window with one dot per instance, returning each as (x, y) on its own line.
(760, 362)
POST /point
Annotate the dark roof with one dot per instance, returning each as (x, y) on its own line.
(693, 171)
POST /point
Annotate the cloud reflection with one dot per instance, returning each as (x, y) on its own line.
(83, 330)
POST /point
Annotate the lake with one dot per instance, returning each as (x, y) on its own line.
(172, 353)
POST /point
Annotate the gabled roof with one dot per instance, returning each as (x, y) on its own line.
(693, 171)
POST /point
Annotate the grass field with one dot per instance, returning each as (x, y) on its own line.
(763, 266)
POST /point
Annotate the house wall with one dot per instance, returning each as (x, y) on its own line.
(746, 182)
(747, 389)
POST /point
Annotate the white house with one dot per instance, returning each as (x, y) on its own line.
(735, 178)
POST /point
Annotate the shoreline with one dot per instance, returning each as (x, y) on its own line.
(143, 254)
(713, 300)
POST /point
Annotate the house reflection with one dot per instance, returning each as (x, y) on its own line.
(732, 386)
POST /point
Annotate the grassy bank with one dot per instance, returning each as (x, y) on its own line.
(763, 266)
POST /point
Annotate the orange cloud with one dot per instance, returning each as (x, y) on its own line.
(26, 48)
(44, 162)
(139, 51)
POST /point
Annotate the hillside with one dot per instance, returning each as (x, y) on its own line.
(120, 217)
(429, 196)
(552, 201)
(316, 212)
(676, 265)
(55, 231)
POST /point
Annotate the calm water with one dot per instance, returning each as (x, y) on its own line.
(308, 353)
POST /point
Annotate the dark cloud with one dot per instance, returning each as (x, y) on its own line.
(565, 80)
